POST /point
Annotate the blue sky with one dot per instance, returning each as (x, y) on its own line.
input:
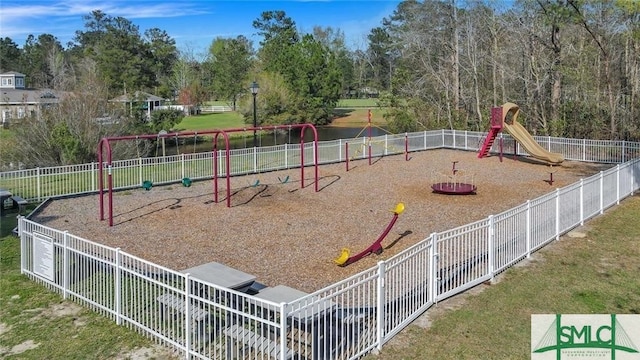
(192, 23)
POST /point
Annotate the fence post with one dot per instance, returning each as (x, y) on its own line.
(601, 193)
(286, 155)
(581, 202)
(283, 329)
(255, 160)
(624, 156)
(386, 144)
(528, 228)
(118, 292)
(466, 140)
(442, 136)
(453, 140)
(433, 260)
(65, 264)
(557, 214)
(584, 149)
(182, 166)
(23, 243)
(424, 140)
(39, 192)
(490, 246)
(187, 318)
(94, 169)
(139, 170)
(618, 184)
(380, 304)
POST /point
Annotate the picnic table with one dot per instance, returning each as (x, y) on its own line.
(222, 275)
(214, 273)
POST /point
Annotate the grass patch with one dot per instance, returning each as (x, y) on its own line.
(596, 274)
(356, 103)
(37, 324)
(358, 117)
(225, 120)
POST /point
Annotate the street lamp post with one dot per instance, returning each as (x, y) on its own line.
(254, 90)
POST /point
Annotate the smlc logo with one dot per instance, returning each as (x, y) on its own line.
(584, 336)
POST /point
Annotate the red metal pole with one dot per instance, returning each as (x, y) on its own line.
(215, 169)
(100, 182)
(369, 125)
(406, 147)
(301, 160)
(228, 165)
(346, 154)
(315, 154)
(227, 162)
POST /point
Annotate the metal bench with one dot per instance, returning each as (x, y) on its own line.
(175, 304)
(256, 342)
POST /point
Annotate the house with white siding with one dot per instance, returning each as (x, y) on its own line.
(17, 101)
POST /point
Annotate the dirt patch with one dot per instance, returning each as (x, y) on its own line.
(20, 348)
(155, 352)
(63, 309)
(4, 328)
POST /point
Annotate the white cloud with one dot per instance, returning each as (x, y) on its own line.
(62, 19)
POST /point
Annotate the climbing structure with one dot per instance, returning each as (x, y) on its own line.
(507, 117)
(496, 127)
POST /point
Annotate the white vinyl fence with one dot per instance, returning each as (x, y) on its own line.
(345, 320)
(36, 185)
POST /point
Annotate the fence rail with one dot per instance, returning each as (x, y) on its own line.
(36, 185)
(342, 321)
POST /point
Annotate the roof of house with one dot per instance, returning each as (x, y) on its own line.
(14, 73)
(31, 96)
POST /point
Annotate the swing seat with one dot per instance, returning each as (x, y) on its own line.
(147, 185)
(285, 180)
(186, 182)
(256, 183)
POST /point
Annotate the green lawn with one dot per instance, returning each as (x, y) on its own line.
(38, 324)
(223, 120)
(357, 103)
(594, 274)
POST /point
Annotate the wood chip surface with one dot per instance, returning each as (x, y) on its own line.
(284, 234)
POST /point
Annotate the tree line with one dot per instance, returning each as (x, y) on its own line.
(573, 66)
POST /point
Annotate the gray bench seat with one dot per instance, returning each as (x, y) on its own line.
(254, 341)
(176, 304)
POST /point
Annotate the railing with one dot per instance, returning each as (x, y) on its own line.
(345, 320)
(215, 108)
(35, 185)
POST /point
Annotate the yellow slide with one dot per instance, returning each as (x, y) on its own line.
(524, 138)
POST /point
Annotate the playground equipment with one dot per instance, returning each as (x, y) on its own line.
(344, 259)
(107, 164)
(456, 183)
(506, 117)
(551, 172)
(369, 143)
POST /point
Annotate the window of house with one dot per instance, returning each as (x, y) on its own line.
(21, 112)
(20, 82)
